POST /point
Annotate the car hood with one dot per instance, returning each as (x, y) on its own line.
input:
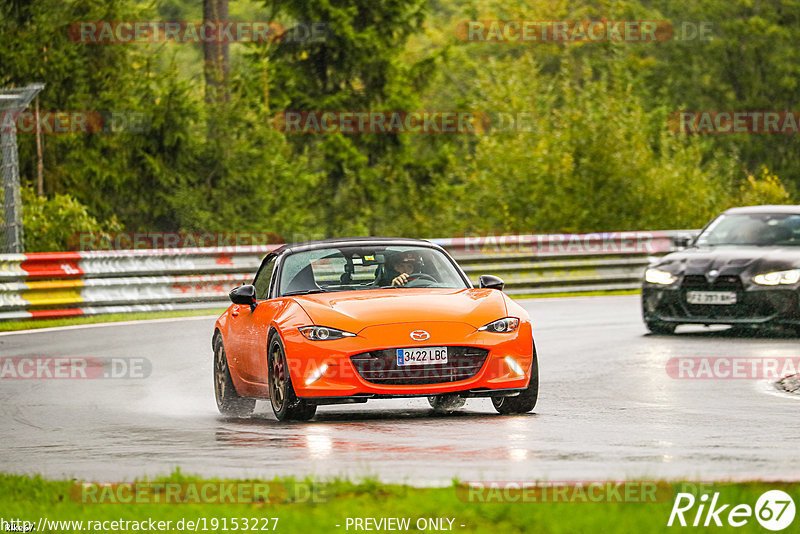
(730, 260)
(355, 310)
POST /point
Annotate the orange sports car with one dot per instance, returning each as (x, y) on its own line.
(346, 320)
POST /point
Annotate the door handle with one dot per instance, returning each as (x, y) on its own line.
(235, 313)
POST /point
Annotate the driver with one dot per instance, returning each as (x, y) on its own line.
(752, 232)
(399, 266)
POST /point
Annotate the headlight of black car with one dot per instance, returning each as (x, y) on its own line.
(657, 276)
(775, 278)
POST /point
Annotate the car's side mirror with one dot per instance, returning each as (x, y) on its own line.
(682, 241)
(245, 295)
(491, 282)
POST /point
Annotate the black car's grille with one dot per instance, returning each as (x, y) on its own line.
(698, 282)
(757, 305)
(754, 306)
(380, 367)
(722, 283)
(727, 311)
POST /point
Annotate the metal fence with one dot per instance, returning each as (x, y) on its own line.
(558, 263)
(41, 285)
(12, 102)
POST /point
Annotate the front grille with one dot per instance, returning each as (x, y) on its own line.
(721, 283)
(380, 367)
(732, 311)
(755, 305)
(698, 282)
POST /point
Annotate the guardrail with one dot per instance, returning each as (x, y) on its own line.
(42, 285)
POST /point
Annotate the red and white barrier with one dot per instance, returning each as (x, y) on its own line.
(82, 283)
(66, 284)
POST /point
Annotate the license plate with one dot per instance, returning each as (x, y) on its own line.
(711, 297)
(421, 356)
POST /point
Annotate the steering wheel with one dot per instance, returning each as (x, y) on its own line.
(416, 277)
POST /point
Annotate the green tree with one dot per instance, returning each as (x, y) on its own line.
(356, 66)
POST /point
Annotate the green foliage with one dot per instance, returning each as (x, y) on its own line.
(356, 67)
(764, 189)
(584, 155)
(598, 154)
(50, 222)
(750, 62)
(159, 174)
(319, 506)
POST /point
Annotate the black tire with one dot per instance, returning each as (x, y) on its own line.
(526, 400)
(229, 402)
(661, 328)
(285, 404)
(446, 403)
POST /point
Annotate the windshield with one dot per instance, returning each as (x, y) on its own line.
(366, 267)
(756, 229)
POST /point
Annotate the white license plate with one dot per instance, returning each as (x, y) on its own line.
(421, 356)
(711, 297)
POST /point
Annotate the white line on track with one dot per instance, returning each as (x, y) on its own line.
(98, 325)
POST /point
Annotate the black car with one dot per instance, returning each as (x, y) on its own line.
(742, 269)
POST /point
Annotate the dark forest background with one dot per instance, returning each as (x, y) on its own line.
(598, 154)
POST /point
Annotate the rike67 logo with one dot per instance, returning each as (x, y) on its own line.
(774, 510)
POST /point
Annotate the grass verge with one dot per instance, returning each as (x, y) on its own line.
(312, 507)
(578, 294)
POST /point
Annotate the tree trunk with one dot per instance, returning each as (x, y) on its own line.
(216, 65)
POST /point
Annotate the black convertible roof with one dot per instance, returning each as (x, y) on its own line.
(352, 241)
(792, 209)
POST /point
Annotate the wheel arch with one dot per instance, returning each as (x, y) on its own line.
(217, 334)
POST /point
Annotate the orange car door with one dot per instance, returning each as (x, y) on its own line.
(248, 334)
(248, 329)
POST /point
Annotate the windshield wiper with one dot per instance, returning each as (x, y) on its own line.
(304, 292)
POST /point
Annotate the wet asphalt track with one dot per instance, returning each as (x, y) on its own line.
(607, 409)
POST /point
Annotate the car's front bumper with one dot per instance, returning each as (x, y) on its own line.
(342, 378)
(755, 305)
(467, 393)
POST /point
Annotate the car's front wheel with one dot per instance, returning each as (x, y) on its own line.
(285, 404)
(526, 400)
(229, 402)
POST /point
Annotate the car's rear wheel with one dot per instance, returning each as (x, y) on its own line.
(659, 327)
(285, 404)
(446, 403)
(229, 402)
(526, 400)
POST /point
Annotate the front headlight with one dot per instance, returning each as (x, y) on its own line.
(501, 326)
(323, 333)
(657, 276)
(778, 277)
